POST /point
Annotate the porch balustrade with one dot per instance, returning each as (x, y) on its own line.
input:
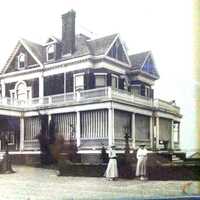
(31, 145)
(104, 93)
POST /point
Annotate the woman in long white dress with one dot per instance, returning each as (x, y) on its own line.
(141, 168)
(112, 171)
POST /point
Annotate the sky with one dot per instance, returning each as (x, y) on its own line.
(164, 27)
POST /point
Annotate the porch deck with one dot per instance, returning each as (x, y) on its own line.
(92, 95)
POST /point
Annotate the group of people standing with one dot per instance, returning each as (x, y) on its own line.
(141, 167)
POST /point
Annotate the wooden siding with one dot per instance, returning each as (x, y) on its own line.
(9, 86)
(34, 84)
(54, 84)
(30, 62)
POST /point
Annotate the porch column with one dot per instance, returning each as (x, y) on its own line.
(41, 88)
(178, 134)
(133, 130)
(78, 128)
(3, 89)
(49, 118)
(111, 139)
(172, 134)
(151, 131)
(21, 145)
(157, 132)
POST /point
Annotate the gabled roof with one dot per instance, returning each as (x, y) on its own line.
(84, 46)
(138, 59)
(52, 39)
(138, 62)
(101, 45)
(35, 48)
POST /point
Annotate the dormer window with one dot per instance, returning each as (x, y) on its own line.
(21, 61)
(51, 52)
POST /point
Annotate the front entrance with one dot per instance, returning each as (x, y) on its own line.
(10, 131)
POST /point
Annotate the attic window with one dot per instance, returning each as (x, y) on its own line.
(21, 60)
(50, 52)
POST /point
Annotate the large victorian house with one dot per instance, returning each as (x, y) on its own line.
(92, 89)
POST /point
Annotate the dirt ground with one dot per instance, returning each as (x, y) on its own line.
(29, 183)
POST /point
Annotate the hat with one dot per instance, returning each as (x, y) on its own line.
(142, 145)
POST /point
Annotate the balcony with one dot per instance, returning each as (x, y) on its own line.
(93, 95)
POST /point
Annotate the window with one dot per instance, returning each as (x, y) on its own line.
(147, 91)
(21, 60)
(100, 80)
(79, 82)
(114, 81)
(21, 93)
(50, 52)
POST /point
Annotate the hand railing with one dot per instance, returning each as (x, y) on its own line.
(91, 95)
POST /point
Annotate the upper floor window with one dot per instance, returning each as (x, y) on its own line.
(79, 82)
(21, 60)
(114, 81)
(50, 52)
(100, 80)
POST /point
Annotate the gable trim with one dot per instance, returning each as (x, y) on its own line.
(10, 59)
(113, 42)
(31, 53)
(148, 55)
(13, 54)
(54, 40)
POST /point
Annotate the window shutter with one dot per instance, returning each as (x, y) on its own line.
(86, 81)
(69, 82)
(151, 93)
(121, 83)
(143, 90)
(91, 80)
(109, 79)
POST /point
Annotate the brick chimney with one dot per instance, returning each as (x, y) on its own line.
(68, 32)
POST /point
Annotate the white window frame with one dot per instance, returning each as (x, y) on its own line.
(47, 51)
(74, 77)
(18, 60)
(14, 93)
(101, 74)
(117, 78)
(147, 91)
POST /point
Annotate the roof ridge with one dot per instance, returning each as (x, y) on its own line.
(143, 52)
(102, 37)
(29, 41)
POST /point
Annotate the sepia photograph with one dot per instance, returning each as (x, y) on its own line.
(99, 99)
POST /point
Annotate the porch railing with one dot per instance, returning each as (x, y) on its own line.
(91, 95)
(31, 145)
(161, 104)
